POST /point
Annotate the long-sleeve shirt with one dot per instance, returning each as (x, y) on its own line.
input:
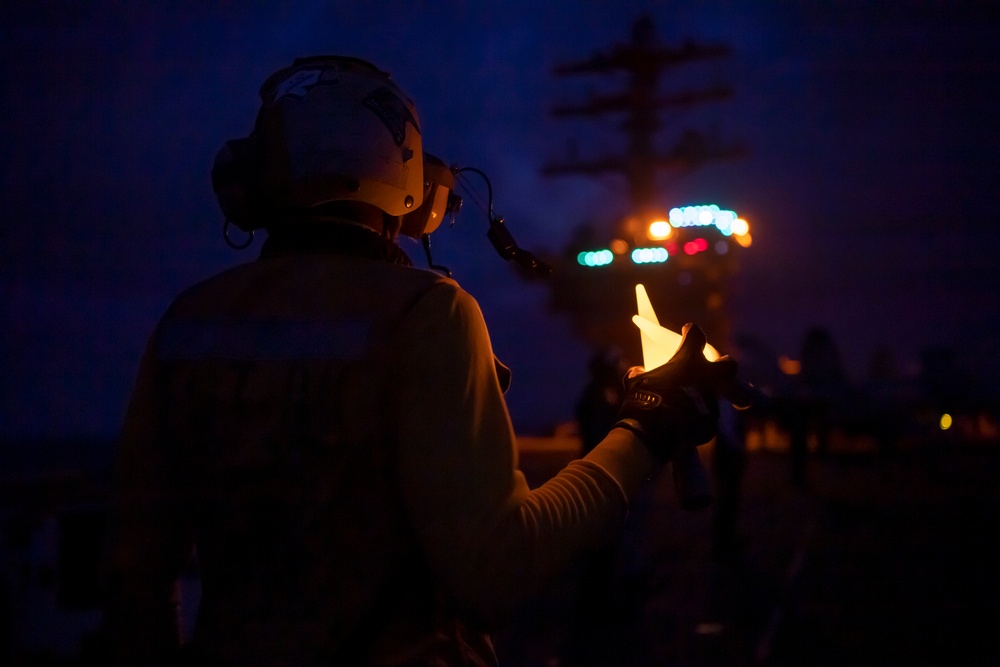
(330, 436)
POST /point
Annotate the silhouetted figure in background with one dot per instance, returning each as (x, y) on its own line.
(792, 408)
(883, 397)
(597, 406)
(811, 405)
(597, 607)
(729, 462)
(824, 383)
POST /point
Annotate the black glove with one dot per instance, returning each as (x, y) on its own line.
(675, 405)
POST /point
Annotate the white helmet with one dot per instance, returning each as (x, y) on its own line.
(330, 128)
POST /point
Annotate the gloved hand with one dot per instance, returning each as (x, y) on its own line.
(674, 406)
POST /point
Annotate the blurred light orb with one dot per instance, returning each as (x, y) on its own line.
(659, 230)
(789, 366)
(695, 246)
(703, 216)
(649, 255)
(595, 258)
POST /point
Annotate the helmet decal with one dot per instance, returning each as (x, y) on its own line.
(393, 112)
(298, 85)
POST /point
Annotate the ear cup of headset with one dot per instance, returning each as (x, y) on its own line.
(236, 183)
(439, 199)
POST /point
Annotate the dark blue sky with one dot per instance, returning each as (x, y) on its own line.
(872, 184)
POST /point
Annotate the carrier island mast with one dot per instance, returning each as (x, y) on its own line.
(683, 252)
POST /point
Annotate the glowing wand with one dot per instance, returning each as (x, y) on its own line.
(659, 344)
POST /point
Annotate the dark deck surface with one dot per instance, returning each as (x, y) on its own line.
(877, 561)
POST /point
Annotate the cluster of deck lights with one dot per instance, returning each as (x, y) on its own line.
(703, 216)
(726, 221)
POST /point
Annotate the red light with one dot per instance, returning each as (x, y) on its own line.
(701, 244)
(690, 248)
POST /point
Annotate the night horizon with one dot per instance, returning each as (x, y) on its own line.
(870, 180)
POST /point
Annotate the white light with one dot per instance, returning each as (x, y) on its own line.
(676, 217)
(724, 221)
(659, 230)
(649, 255)
(702, 216)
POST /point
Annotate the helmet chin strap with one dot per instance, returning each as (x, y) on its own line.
(425, 240)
